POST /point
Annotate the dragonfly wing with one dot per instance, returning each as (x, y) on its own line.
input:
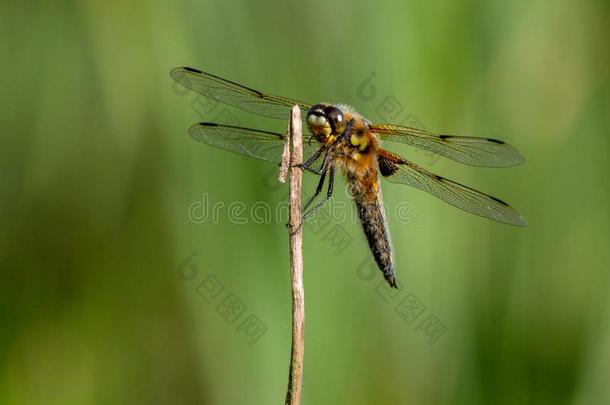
(469, 150)
(398, 170)
(236, 95)
(254, 143)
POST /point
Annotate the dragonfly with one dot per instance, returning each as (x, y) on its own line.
(343, 140)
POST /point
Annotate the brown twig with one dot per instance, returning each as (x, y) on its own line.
(294, 155)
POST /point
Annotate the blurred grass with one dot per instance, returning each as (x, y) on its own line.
(98, 173)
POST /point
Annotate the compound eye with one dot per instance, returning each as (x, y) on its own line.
(334, 114)
(317, 109)
(316, 115)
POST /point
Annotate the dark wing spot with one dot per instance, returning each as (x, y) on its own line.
(443, 137)
(498, 200)
(386, 167)
(444, 180)
(193, 70)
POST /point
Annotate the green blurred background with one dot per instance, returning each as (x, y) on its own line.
(115, 289)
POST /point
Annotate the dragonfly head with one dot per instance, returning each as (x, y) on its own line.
(325, 120)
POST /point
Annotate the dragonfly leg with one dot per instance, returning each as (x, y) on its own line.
(307, 165)
(331, 182)
(317, 192)
(329, 194)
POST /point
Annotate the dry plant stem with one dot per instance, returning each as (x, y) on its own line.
(295, 376)
(285, 163)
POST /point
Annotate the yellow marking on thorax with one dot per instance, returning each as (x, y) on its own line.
(362, 142)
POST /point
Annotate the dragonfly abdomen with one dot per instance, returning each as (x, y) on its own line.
(367, 196)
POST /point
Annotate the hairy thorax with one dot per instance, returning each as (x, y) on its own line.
(357, 156)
